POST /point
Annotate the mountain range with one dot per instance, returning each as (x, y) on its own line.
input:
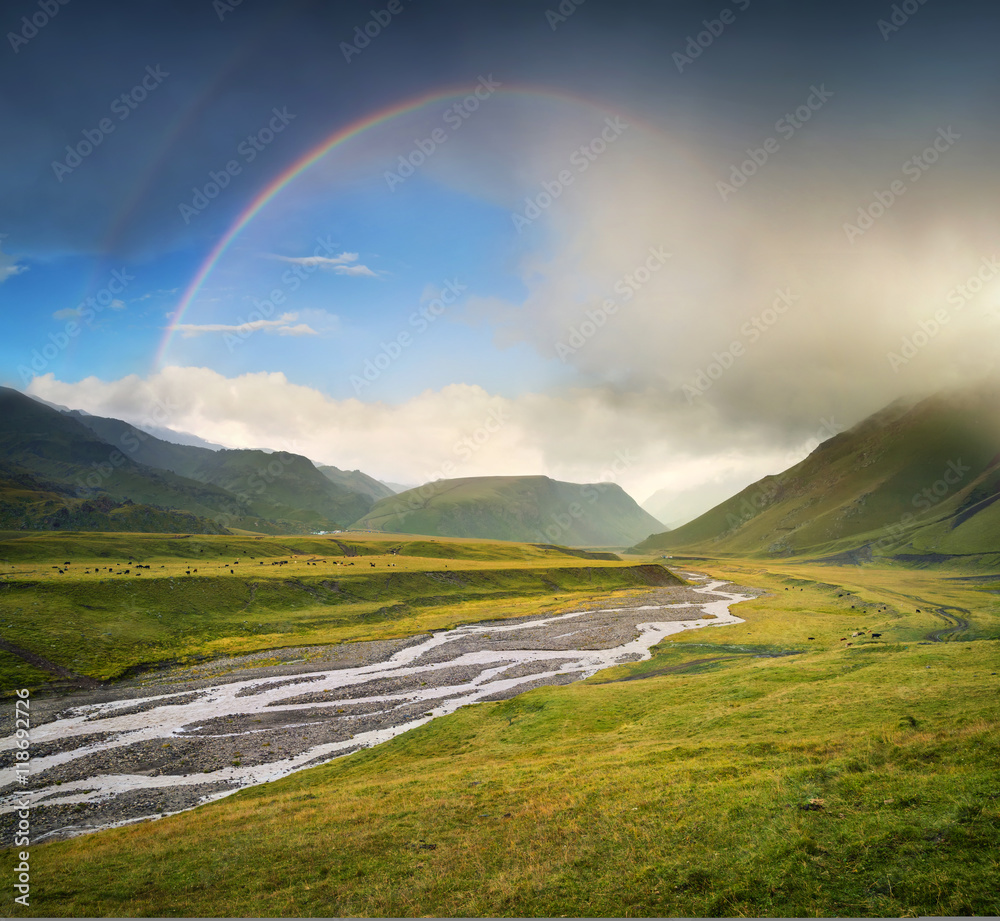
(916, 481)
(62, 468)
(79, 457)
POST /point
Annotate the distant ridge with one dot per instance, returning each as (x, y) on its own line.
(534, 509)
(358, 482)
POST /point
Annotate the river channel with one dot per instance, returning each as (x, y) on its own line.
(153, 747)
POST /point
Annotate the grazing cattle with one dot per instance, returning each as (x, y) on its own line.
(810, 637)
(875, 636)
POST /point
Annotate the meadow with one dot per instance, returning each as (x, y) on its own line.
(106, 606)
(763, 769)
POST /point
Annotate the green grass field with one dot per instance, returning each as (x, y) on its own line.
(105, 605)
(763, 769)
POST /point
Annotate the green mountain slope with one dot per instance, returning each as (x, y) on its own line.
(95, 458)
(357, 482)
(278, 485)
(527, 508)
(58, 448)
(141, 446)
(30, 504)
(911, 479)
(282, 485)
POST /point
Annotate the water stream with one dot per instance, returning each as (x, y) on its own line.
(291, 722)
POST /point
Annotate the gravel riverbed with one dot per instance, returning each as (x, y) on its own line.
(166, 741)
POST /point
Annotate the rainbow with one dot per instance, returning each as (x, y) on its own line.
(339, 137)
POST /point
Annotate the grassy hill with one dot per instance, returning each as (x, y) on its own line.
(143, 447)
(525, 508)
(91, 457)
(911, 481)
(282, 486)
(27, 503)
(277, 485)
(61, 451)
(358, 482)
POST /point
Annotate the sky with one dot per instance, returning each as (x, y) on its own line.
(671, 245)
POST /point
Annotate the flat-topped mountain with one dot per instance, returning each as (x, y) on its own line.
(522, 508)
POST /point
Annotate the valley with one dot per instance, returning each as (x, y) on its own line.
(462, 730)
(486, 460)
(187, 735)
(506, 713)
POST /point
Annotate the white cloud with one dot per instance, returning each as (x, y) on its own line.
(859, 300)
(160, 292)
(341, 265)
(72, 313)
(282, 326)
(355, 270)
(460, 430)
(323, 321)
(9, 265)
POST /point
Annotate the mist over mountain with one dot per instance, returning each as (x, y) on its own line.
(916, 479)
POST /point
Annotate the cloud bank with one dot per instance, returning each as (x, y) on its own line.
(460, 430)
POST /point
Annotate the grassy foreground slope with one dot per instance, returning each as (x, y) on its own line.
(909, 480)
(101, 605)
(764, 769)
(520, 508)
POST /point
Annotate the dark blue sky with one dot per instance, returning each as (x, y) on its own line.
(223, 74)
(115, 115)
